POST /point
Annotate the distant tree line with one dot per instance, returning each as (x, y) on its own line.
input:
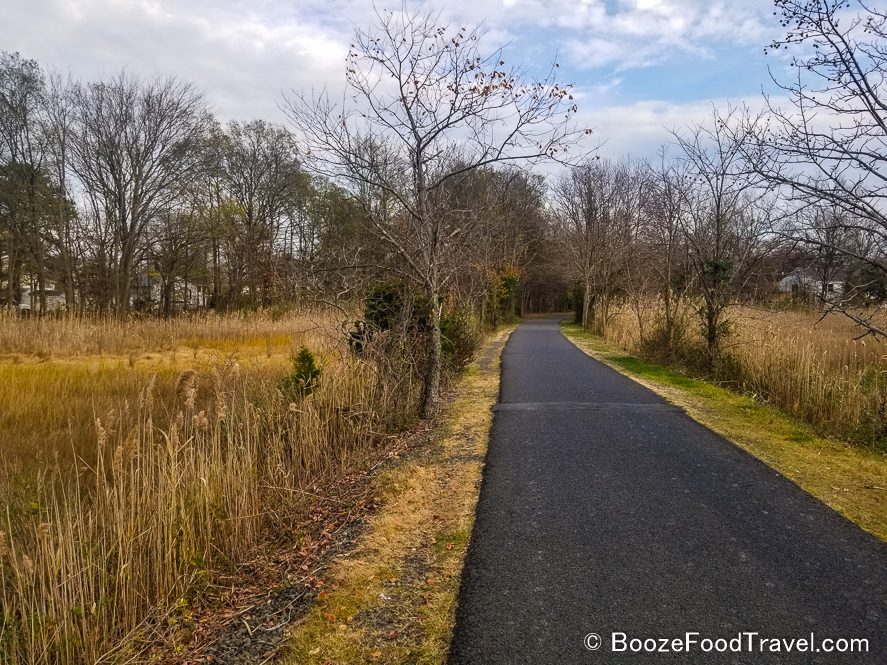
(126, 194)
(735, 203)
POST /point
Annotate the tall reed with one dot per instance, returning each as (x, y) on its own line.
(806, 365)
(103, 556)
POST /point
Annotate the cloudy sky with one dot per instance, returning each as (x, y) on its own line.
(638, 65)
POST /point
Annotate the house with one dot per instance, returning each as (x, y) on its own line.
(802, 281)
(146, 293)
(55, 299)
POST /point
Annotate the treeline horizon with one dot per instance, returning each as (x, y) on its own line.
(110, 187)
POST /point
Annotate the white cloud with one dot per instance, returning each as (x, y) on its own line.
(640, 128)
(244, 53)
(237, 55)
(639, 33)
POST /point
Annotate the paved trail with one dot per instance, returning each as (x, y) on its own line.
(604, 509)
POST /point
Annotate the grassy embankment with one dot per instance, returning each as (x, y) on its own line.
(392, 600)
(143, 458)
(852, 479)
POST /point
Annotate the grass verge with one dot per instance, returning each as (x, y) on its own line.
(393, 598)
(850, 479)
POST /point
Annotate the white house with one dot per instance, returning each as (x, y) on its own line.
(803, 281)
(146, 292)
(55, 299)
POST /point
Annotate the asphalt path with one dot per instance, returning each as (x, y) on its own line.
(606, 511)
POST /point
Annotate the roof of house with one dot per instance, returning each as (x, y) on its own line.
(812, 275)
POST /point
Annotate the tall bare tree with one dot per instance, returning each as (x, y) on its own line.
(724, 227)
(665, 213)
(59, 109)
(424, 106)
(262, 178)
(135, 142)
(598, 212)
(830, 144)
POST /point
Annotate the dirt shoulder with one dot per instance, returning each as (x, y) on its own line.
(392, 598)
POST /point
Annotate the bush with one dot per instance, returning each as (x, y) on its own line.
(384, 305)
(388, 306)
(305, 376)
(671, 347)
(502, 287)
(459, 341)
(382, 309)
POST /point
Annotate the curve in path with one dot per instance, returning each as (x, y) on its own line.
(606, 510)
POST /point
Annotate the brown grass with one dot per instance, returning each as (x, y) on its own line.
(393, 599)
(808, 367)
(51, 337)
(147, 456)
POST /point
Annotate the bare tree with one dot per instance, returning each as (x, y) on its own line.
(830, 145)
(502, 213)
(174, 253)
(723, 226)
(262, 176)
(825, 236)
(665, 214)
(59, 109)
(597, 211)
(135, 141)
(425, 106)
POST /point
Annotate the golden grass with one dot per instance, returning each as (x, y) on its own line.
(58, 375)
(141, 458)
(51, 337)
(393, 599)
(850, 479)
(809, 367)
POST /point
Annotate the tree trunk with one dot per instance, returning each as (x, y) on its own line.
(167, 297)
(217, 276)
(64, 229)
(123, 303)
(431, 388)
(670, 314)
(121, 279)
(711, 332)
(11, 277)
(67, 259)
(41, 286)
(586, 305)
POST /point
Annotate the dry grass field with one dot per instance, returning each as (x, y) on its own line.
(809, 367)
(141, 457)
(57, 376)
